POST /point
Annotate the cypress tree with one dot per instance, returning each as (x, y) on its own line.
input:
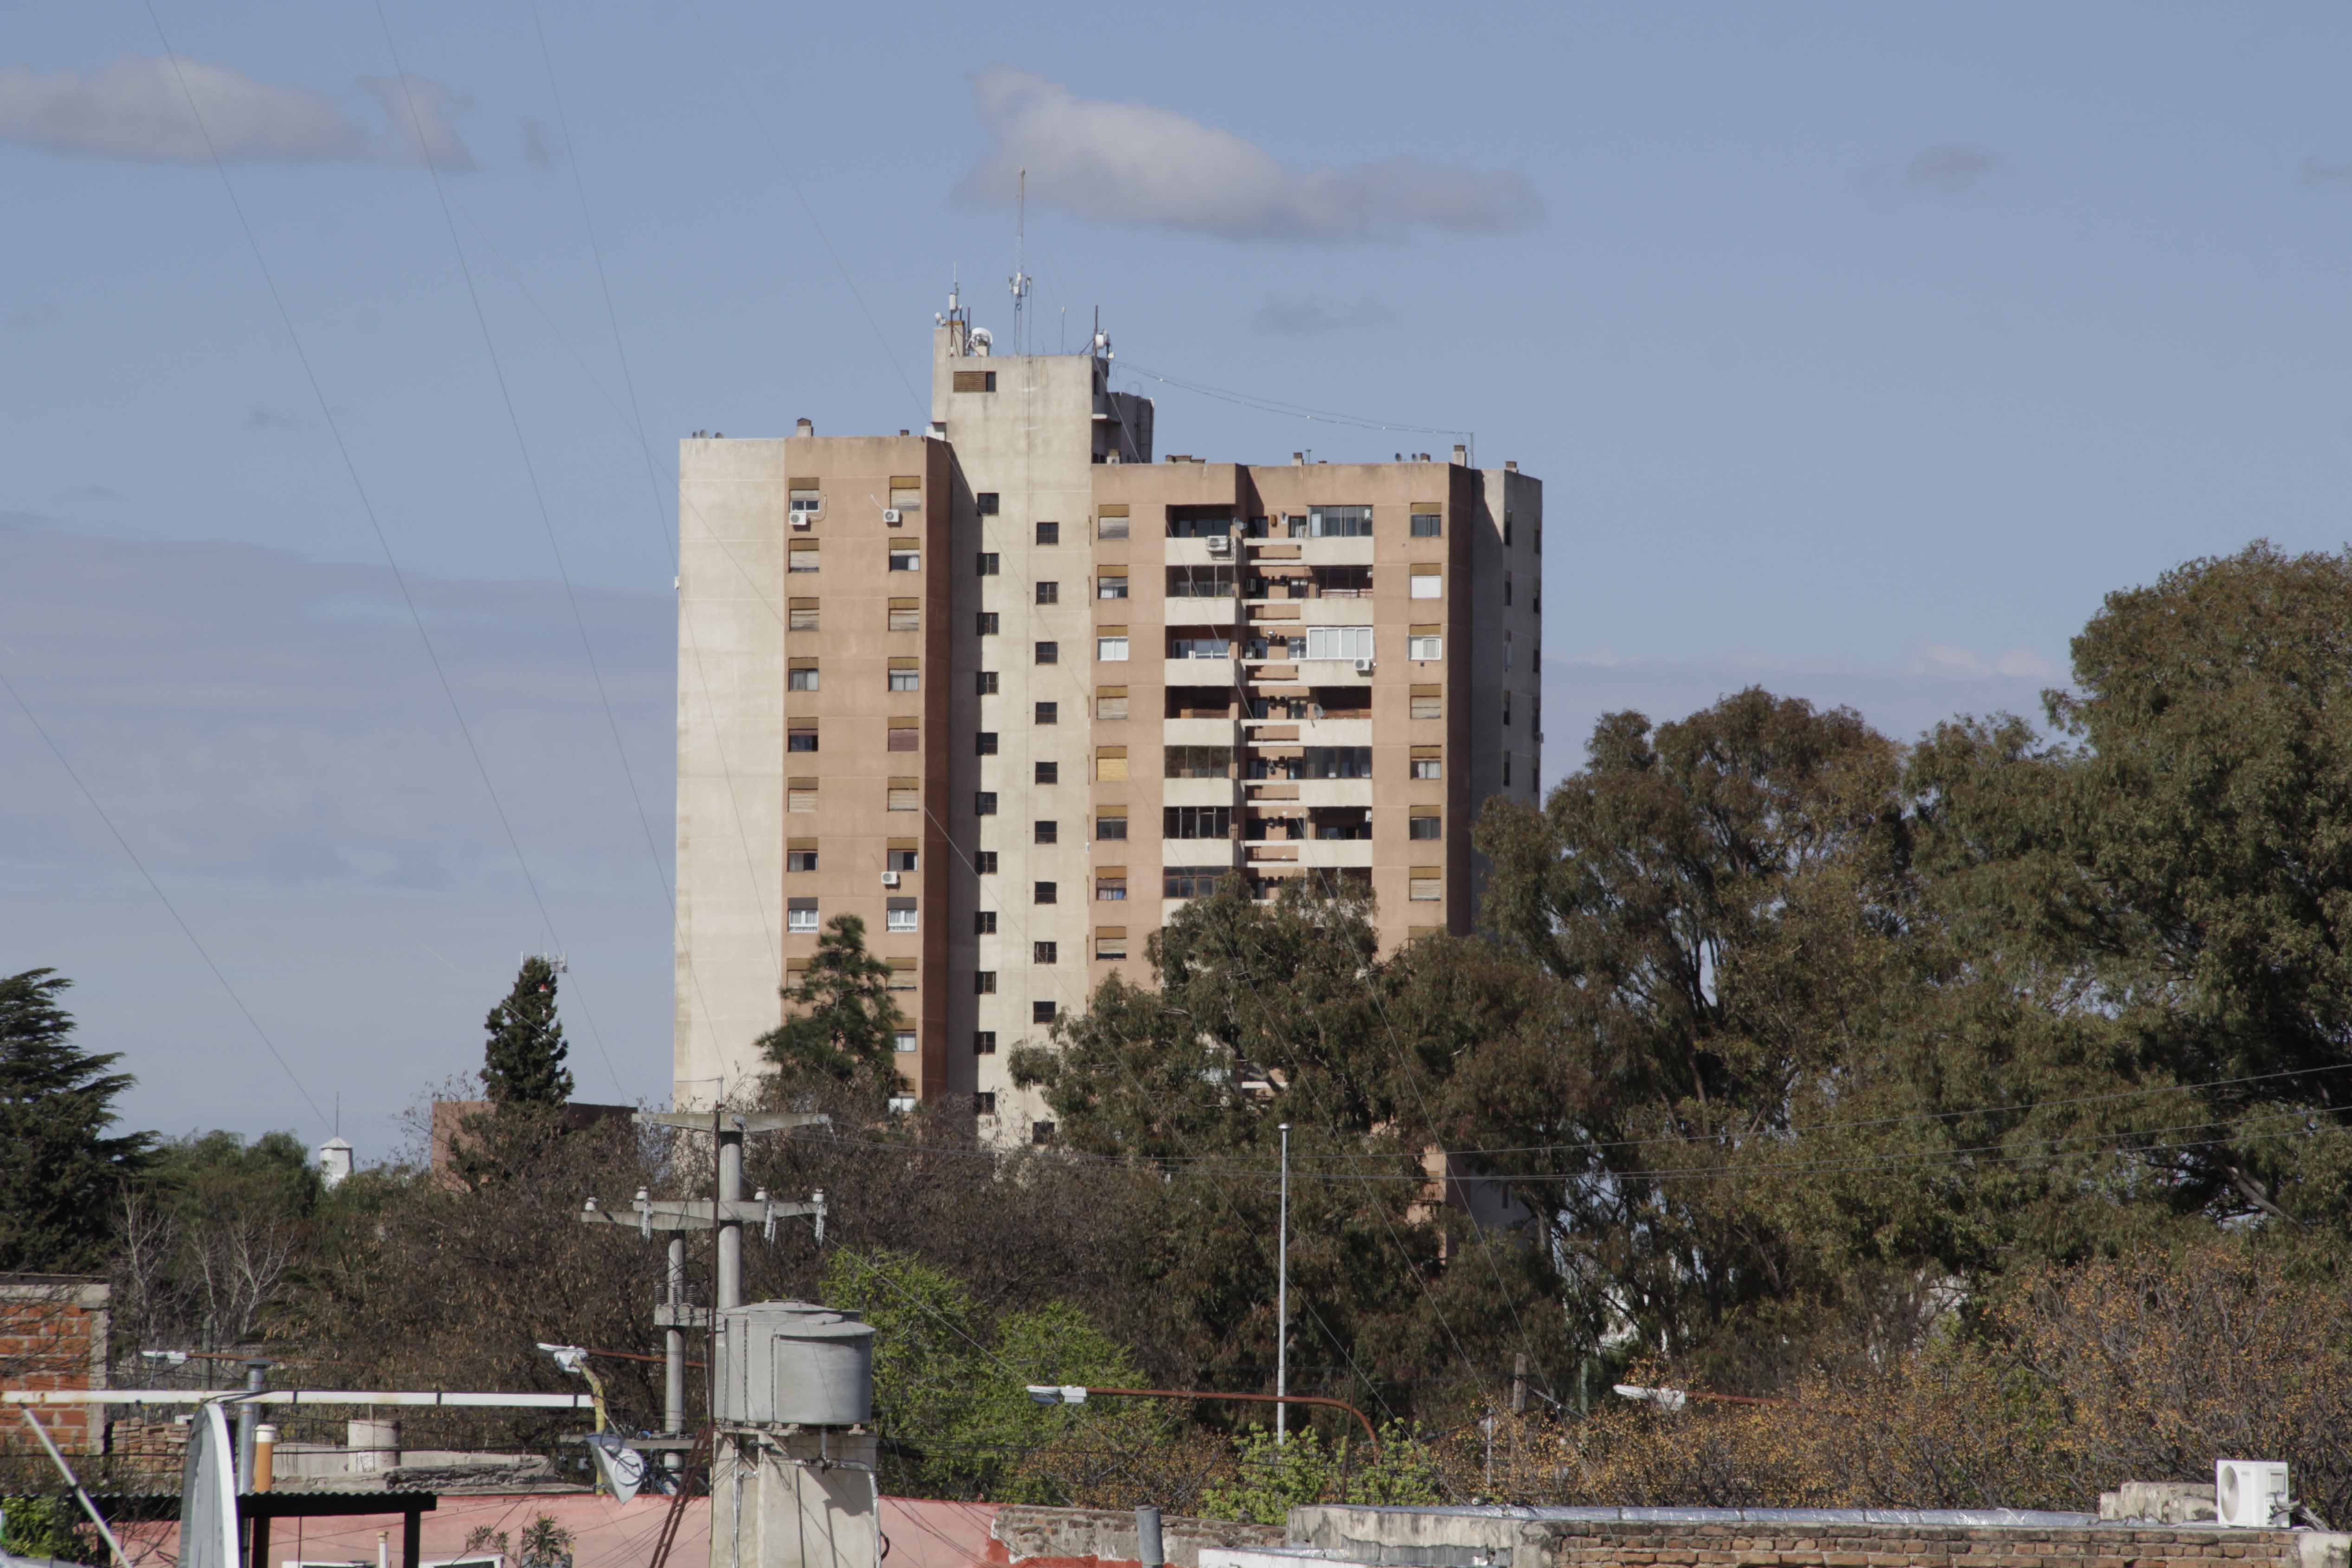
(522, 1064)
(62, 1178)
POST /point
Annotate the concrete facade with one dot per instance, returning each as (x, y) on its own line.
(1136, 677)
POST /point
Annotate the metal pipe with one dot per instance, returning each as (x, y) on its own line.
(1282, 1304)
(1276, 1400)
(45, 1396)
(674, 1342)
(731, 1230)
(81, 1495)
(1148, 1548)
(255, 1377)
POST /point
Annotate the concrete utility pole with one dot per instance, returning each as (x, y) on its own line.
(728, 1212)
(1281, 1307)
(256, 1378)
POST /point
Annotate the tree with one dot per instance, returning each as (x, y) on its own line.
(845, 1036)
(522, 1065)
(61, 1181)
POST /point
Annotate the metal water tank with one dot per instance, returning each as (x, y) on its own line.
(795, 1362)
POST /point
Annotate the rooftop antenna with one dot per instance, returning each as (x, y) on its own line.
(1020, 279)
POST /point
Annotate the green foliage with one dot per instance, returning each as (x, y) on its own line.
(48, 1527)
(522, 1064)
(843, 1037)
(61, 1185)
(1271, 1479)
(545, 1544)
(950, 1386)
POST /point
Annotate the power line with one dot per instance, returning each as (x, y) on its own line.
(170, 908)
(1293, 410)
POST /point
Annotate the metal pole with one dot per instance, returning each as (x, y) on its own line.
(674, 1342)
(1149, 1551)
(731, 1231)
(1281, 1307)
(248, 1415)
(81, 1495)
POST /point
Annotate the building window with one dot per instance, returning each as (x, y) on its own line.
(1111, 826)
(1110, 944)
(806, 499)
(803, 557)
(1192, 647)
(984, 922)
(984, 862)
(907, 680)
(902, 975)
(1045, 894)
(1195, 821)
(1110, 650)
(900, 859)
(1048, 832)
(1049, 653)
(899, 915)
(1190, 523)
(973, 381)
(983, 804)
(1539, 539)
(905, 496)
(1198, 762)
(1042, 1012)
(1338, 642)
(1428, 584)
(800, 914)
(905, 738)
(1049, 533)
(800, 795)
(1045, 952)
(1427, 885)
(903, 795)
(1429, 702)
(1111, 525)
(800, 859)
(1049, 593)
(803, 679)
(906, 561)
(989, 564)
(1507, 709)
(984, 1042)
(1111, 587)
(1424, 646)
(1419, 826)
(1507, 770)
(1431, 765)
(984, 982)
(984, 742)
(905, 616)
(803, 613)
(902, 1041)
(1110, 889)
(1506, 529)
(986, 500)
(986, 625)
(1507, 650)
(1110, 764)
(800, 740)
(1111, 702)
(1507, 590)
(1191, 881)
(983, 1102)
(1339, 522)
(1049, 772)
(1049, 713)
(1427, 525)
(984, 683)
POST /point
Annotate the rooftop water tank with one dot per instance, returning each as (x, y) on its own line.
(793, 1363)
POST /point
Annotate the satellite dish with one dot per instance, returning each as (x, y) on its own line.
(208, 1534)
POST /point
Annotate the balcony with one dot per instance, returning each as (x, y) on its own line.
(1210, 552)
(1197, 852)
(1197, 731)
(1200, 791)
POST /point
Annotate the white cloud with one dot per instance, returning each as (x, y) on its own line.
(1132, 164)
(1966, 664)
(1309, 316)
(135, 108)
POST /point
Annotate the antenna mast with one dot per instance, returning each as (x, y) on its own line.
(1020, 279)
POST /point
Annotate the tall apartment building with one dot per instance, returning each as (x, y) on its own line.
(1012, 690)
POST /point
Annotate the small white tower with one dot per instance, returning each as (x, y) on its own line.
(334, 1162)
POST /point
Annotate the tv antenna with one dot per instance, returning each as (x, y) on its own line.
(1020, 279)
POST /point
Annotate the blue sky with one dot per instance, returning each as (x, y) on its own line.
(1862, 349)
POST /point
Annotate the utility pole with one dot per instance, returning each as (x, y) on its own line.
(1282, 1306)
(248, 1415)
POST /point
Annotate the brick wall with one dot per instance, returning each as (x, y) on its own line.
(1024, 1537)
(53, 1335)
(1749, 1545)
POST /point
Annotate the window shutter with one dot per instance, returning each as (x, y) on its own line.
(1420, 752)
(1428, 631)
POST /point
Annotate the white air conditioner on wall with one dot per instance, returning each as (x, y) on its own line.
(1220, 544)
(802, 518)
(892, 516)
(2250, 1494)
(1363, 667)
(889, 879)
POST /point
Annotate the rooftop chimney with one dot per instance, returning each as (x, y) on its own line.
(1299, 459)
(1462, 455)
(804, 427)
(1510, 465)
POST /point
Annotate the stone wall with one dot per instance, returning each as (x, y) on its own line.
(1903, 1546)
(1104, 1538)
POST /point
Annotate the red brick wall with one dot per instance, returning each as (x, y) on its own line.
(53, 1335)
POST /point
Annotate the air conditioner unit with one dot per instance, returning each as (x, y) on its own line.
(2250, 1494)
(1363, 667)
(1221, 544)
(803, 519)
(893, 516)
(889, 879)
